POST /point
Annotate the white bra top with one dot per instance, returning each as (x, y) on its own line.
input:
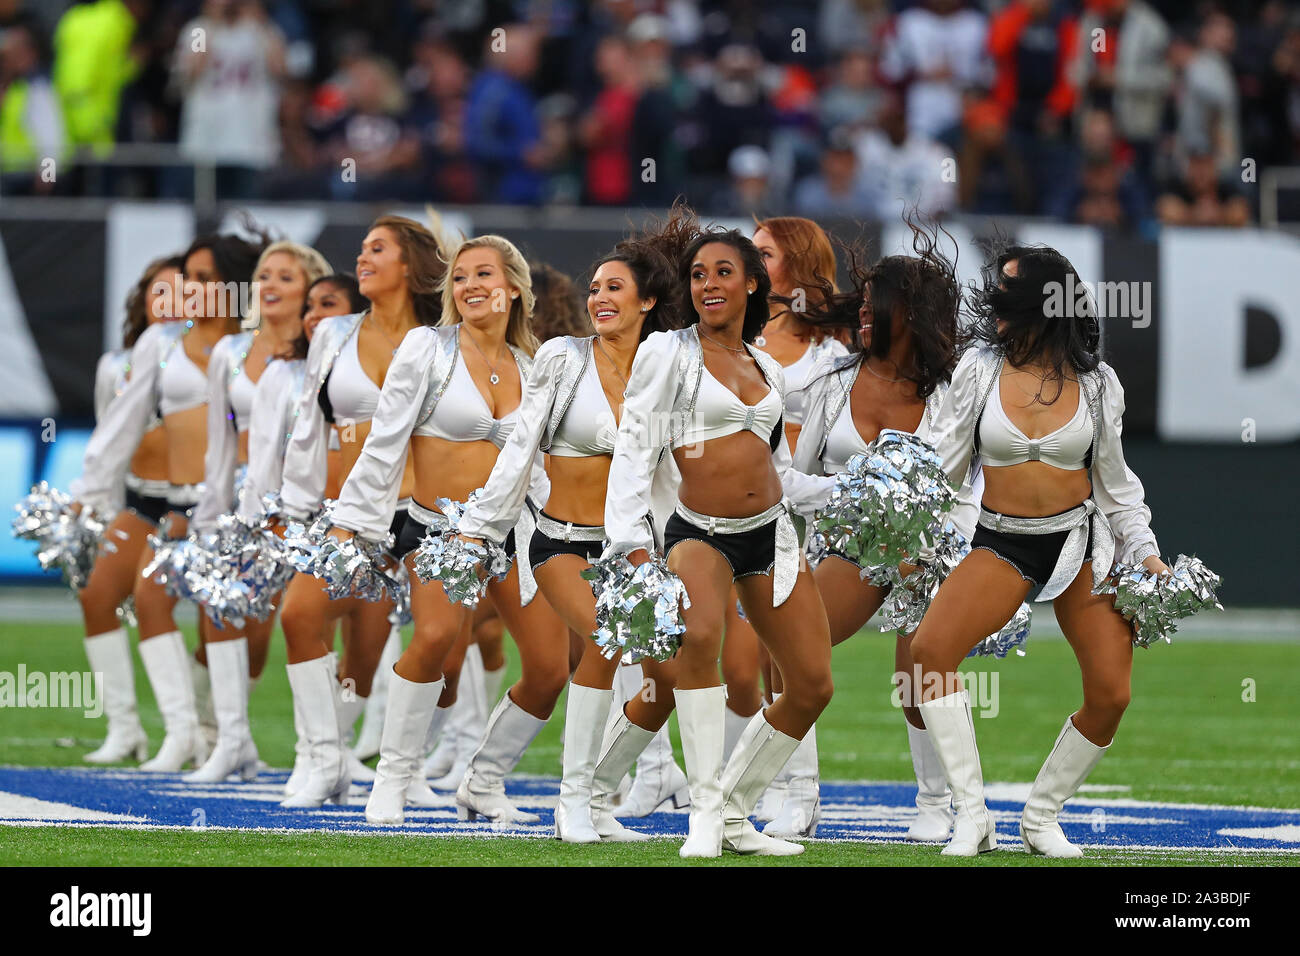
(353, 394)
(843, 441)
(462, 415)
(1003, 444)
(241, 391)
(182, 385)
(796, 374)
(588, 427)
(719, 412)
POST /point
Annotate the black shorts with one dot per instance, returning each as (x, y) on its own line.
(147, 507)
(749, 552)
(413, 532)
(1033, 555)
(542, 547)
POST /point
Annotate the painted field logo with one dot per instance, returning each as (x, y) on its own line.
(67, 689)
(134, 910)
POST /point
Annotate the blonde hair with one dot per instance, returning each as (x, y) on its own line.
(519, 331)
(313, 264)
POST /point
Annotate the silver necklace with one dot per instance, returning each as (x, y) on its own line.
(377, 326)
(610, 360)
(494, 378)
(720, 344)
(867, 365)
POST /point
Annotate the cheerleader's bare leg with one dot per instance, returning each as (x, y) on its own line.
(976, 600)
(740, 669)
(1103, 645)
(108, 648)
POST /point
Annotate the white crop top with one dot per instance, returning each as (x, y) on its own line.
(1003, 444)
(719, 412)
(588, 427)
(462, 414)
(843, 441)
(182, 385)
(241, 391)
(353, 395)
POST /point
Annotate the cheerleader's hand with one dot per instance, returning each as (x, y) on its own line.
(1155, 565)
(340, 534)
(468, 540)
(638, 557)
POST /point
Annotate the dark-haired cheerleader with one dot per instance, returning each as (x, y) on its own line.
(1035, 405)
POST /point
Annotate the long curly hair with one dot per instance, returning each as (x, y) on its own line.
(1046, 322)
(918, 295)
(137, 300)
(559, 307)
(651, 256)
(751, 261)
(809, 262)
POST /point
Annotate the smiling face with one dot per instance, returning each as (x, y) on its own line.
(480, 288)
(282, 284)
(323, 301)
(866, 318)
(719, 288)
(613, 302)
(380, 269)
(774, 259)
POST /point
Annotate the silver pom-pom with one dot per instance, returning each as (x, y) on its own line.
(65, 539)
(457, 563)
(1013, 636)
(638, 607)
(352, 568)
(236, 569)
(889, 503)
(1154, 603)
(171, 558)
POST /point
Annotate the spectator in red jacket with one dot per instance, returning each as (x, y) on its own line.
(607, 127)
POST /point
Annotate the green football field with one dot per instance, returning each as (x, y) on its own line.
(1212, 723)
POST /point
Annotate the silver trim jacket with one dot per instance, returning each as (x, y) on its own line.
(305, 463)
(222, 456)
(828, 390)
(421, 370)
(557, 370)
(117, 435)
(269, 428)
(1116, 490)
(660, 404)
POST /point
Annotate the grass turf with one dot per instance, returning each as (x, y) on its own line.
(1209, 723)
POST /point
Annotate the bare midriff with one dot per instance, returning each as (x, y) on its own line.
(150, 458)
(578, 487)
(187, 443)
(728, 477)
(449, 469)
(352, 439)
(1034, 489)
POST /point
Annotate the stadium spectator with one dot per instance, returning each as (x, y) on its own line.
(844, 26)
(665, 94)
(1206, 93)
(750, 191)
(903, 168)
(31, 123)
(93, 61)
(937, 52)
(1098, 185)
(502, 133)
(229, 61)
(1262, 87)
(1202, 197)
(731, 111)
(838, 189)
(1120, 65)
(853, 100)
(606, 130)
(439, 86)
(372, 151)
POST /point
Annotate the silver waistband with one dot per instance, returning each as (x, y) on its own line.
(1077, 522)
(184, 494)
(567, 530)
(789, 556)
(148, 487)
(435, 520)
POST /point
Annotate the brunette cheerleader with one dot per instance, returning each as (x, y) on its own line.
(347, 364)
(732, 524)
(169, 376)
(449, 405)
(236, 655)
(112, 577)
(1033, 402)
(574, 396)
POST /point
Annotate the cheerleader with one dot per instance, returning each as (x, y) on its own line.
(801, 264)
(574, 394)
(452, 402)
(169, 376)
(722, 401)
(905, 312)
(1034, 403)
(237, 654)
(112, 577)
(348, 362)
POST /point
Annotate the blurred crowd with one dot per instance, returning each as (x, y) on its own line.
(1122, 113)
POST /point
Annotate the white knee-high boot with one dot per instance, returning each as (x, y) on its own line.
(202, 682)
(465, 726)
(585, 716)
(235, 751)
(1064, 771)
(372, 724)
(350, 706)
(801, 811)
(412, 710)
(933, 823)
(167, 663)
(482, 793)
(109, 656)
(760, 754)
(622, 744)
(952, 732)
(658, 778)
(700, 717)
(315, 687)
